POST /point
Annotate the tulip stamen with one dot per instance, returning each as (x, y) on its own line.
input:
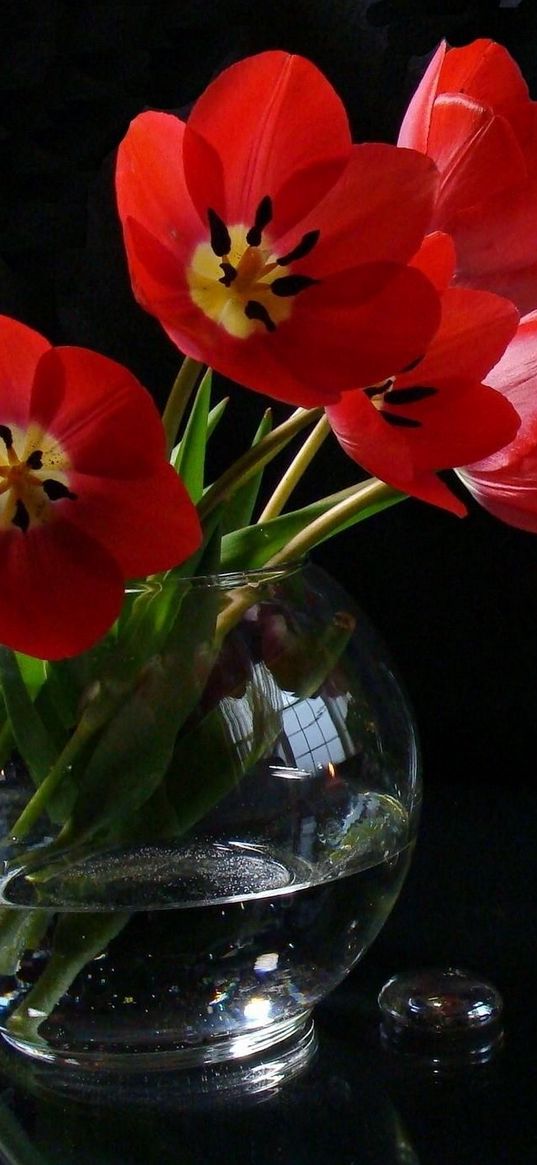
(292, 284)
(303, 248)
(27, 488)
(21, 517)
(384, 396)
(256, 311)
(220, 237)
(234, 276)
(263, 216)
(230, 273)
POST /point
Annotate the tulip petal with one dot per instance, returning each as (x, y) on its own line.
(485, 71)
(504, 483)
(473, 115)
(482, 70)
(414, 132)
(378, 210)
(61, 591)
(428, 487)
(268, 143)
(21, 349)
(366, 439)
(514, 504)
(150, 182)
(497, 241)
(107, 423)
(460, 416)
(433, 414)
(466, 141)
(254, 364)
(515, 375)
(436, 259)
(475, 329)
(252, 116)
(518, 285)
(386, 316)
(147, 525)
(78, 518)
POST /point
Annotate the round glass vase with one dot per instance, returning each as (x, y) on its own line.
(227, 840)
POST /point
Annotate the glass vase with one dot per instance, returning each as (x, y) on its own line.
(232, 830)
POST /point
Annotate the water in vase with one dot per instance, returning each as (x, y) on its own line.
(228, 937)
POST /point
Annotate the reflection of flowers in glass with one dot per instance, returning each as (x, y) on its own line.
(87, 498)
(429, 417)
(267, 244)
(472, 114)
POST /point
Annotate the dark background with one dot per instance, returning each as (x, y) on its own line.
(455, 600)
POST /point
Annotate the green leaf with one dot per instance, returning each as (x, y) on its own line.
(69, 679)
(31, 736)
(189, 460)
(241, 507)
(213, 420)
(215, 415)
(253, 546)
(136, 744)
(78, 938)
(33, 672)
(38, 738)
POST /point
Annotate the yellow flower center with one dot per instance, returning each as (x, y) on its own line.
(27, 489)
(236, 279)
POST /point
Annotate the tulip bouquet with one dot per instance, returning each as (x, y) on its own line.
(375, 288)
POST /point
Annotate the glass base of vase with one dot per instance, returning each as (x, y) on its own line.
(242, 1071)
(231, 1048)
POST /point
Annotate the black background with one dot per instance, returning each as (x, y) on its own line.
(455, 600)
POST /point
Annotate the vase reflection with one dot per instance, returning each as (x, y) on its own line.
(288, 1106)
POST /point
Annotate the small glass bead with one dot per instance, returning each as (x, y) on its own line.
(440, 1001)
(444, 1016)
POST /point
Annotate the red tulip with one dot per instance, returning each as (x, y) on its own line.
(270, 247)
(506, 482)
(427, 417)
(87, 498)
(472, 114)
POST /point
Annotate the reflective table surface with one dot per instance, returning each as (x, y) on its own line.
(350, 1095)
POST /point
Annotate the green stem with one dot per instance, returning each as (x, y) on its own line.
(369, 493)
(16, 1148)
(38, 803)
(78, 938)
(179, 397)
(296, 470)
(255, 458)
(365, 496)
(7, 743)
(20, 930)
